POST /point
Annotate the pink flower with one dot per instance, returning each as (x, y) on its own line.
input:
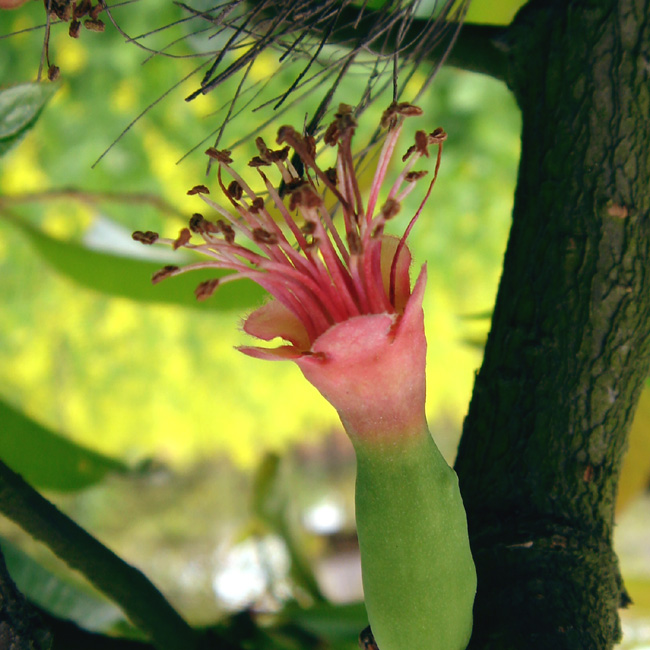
(340, 292)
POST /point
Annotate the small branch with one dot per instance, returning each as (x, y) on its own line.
(482, 49)
(478, 48)
(92, 197)
(144, 605)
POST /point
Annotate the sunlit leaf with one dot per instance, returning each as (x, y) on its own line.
(20, 107)
(57, 595)
(47, 460)
(131, 278)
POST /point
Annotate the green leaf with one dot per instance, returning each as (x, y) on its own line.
(20, 107)
(334, 623)
(47, 460)
(130, 278)
(57, 595)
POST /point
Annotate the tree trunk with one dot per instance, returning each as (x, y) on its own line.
(569, 348)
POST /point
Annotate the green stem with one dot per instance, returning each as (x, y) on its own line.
(418, 574)
(143, 604)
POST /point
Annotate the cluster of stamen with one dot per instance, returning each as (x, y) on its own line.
(321, 275)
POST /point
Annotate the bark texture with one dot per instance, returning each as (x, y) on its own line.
(569, 348)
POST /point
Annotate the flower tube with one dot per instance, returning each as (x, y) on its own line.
(341, 299)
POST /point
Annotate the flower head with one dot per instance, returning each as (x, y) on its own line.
(340, 292)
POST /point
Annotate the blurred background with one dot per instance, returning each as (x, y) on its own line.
(227, 480)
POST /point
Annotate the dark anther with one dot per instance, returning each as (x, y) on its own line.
(222, 156)
(408, 110)
(198, 189)
(235, 190)
(354, 243)
(147, 238)
(437, 136)
(343, 125)
(184, 236)
(332, 175)
(197, 223)
(53, 72)
(62, 9)
(304, 196)
(97, 9)
(422, 143)
(389, 117)
(287, 134)
(310, 143)
(256, 161)
(94, 25)
(411, 177)
(74, 28)
(262, 236)
(206, 289)
(257, 205)
(390, 209)
(332, 135)
(266, 155)
(165, 272)
(226, 230)
(81, 9)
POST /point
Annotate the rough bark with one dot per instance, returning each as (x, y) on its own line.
(569, 348)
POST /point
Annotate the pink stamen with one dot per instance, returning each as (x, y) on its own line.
(382, 166)
(320, 275)
(402, 241)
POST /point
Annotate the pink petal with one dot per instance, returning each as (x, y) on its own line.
(273, 319)
(271, 354)
(412, 317)
(389, 245)
(372, 370)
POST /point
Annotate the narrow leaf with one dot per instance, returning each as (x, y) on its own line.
(57, 595)
(329, 621)
(47, 460)
(20, 107)
(125, 277)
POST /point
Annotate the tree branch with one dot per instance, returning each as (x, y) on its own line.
(478, 48)
(144, 605)
(482, 49)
